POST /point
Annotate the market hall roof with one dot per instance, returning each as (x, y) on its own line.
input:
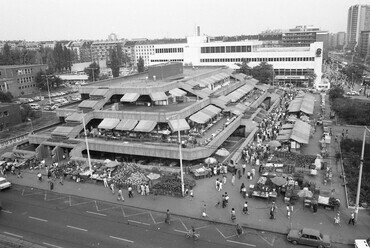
(178, 125)
(126, 125)
(62, 130)
(145, 126)
(109, 123)
(177, 92)
(77, 117)
(99, 92)
(200, 117)
(304, 104)
(130, 97)
(301, 132)
(88, 104)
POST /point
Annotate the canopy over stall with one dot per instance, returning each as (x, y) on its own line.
(130, 97)
(200, 117)
(77, 117)
(158, 96)
(145, 126)
(178, 125)
(109, 123)
(177, 92)
(301, 132)
(126, 125)
(62, 130)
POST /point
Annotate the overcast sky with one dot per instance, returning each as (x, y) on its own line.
(96, 19)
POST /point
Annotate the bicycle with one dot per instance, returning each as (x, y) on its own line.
(193, 235)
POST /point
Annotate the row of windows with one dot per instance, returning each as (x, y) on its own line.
(292, 72)
(27, 86)
(258, 59)
(24, 71)
(226, 49)
(25, 80)
(169, 50)
(3, 114)
(166, 60)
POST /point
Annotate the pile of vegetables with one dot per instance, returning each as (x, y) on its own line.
(299, 160)
(129, 174)
(172, 184)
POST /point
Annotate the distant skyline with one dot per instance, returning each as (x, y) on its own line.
(41, 20)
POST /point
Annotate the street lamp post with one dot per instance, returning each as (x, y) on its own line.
(47, 83)
(180, 154)
(360, 174)
(87, 144)
(30, 120)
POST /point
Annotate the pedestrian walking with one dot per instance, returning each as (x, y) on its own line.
(112, 187)
(239, 174)
(233, 179)
(288, 211)
(120, 195)
(224, 178)
(61, 179)
(233, 215)
(217, 184)
(39, 176)
(220, 186)
(168, 217)
(105, 181)
(352, 219)
(272, 211)
(142, 189)
(147, 189)
(239, 230)
(244, 166)
(191, 193)
(51, 185)
(130, 194)
(245, 208)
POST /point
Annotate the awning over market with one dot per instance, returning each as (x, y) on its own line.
(126, 125)
(77, 117)
(295, 105)
(9, 155)
(235, 95)
(178, 125)
(158, 96)
(109, 123)
(287, 126)
(62, 130)
(99, 92)
(177, 92)
(211, 110)
(129, 97)
(88, 104)
(241, 106)
(284, 137)
(301, 132)
(200, 117)
(308, 104)
(145, 126)
(285, 131)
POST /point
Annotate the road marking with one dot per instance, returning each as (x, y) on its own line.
(96, 213)
(240, 243)
(221, 233)
(6, 211)
(77, 228)
(130, 241)
(37, 219)
(180, 231)
(15, 235)
(52, 245)
(138, 222)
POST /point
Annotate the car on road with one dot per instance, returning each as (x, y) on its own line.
(4, 183)
(34, 106)
(310, 237)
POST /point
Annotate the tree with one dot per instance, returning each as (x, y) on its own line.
(114, 62)
(311, 77)
(6, 97)
(354, 72)
(140, 65)
(42, 82)
(93, 71)
(336, 92)
(244, 67)
(26, 112)
(263, 72)
(7, 56)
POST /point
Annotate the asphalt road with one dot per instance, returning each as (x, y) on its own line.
(56, 220)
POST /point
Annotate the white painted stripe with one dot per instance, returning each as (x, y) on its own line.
(77, 228)
(130, 241)
(96, 213)
(52, 245)
(240, 243)
(37, 219)
(15, 235)
(180, 231)
(6, 211)
(138, 222)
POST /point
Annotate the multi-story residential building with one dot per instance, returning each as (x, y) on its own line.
(337, 41)
(100, 49)
(19, 79)
(49, 44)
(10, 115)
(364, 45)
(358, 20)
(129, 50)
(81, 51)
(291, 64)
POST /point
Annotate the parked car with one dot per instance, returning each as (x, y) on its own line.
(30, 100)
(4, 183)
(36, 98)
(35, 106)
(310, 237)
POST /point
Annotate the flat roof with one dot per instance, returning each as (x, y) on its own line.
(20, 66)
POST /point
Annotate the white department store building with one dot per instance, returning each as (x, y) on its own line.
(290, 64)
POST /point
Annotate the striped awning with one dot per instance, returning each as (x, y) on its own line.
(178, 125)
(200, 117)
(158, 96)
(145, 126)
(108, 123)
(130, 97)
(126, 125)
(177, 92)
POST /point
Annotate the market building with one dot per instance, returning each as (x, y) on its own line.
(140, 116)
